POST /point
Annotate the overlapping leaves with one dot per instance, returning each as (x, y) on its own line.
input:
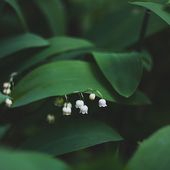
(71, 135)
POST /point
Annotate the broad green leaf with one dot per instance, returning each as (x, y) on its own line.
(153, 153)
(17, 160)
(59, 78)
(71, 135)
(138, 98)
(66, 77)
(14, 4)
(157, 8)
(2, 98)
(122, 70)
(20, 42)
(53, 11)
(58, 45)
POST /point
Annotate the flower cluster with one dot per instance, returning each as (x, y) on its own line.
(83, 109)
(7, 91)
(80, 105)
(7, 86)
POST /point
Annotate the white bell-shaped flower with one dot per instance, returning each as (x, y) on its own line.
(79, 103)
(50, 118)
(84, 109)
(7, 91)
(6, 85)
(102, 103)
(8, 102)
(66, 111)
(92, 96)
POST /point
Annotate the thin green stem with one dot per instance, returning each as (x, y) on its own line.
(143, 29)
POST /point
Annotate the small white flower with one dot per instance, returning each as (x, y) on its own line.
(8, 102)
(102, 103)
(6, 85)
(84, 109)
(66, 111)
(50, 118)
(92, 96)
(79, 103)
(7, 91)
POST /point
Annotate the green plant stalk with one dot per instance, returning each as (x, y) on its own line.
(143, 29)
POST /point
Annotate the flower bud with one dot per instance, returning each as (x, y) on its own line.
(92, 96)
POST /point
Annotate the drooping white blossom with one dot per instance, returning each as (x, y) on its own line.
(102, 103)
(79, 103)
(84, 109)
(66, 111)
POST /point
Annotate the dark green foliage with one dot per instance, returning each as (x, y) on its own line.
(56, 52)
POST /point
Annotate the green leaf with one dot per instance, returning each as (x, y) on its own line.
(66, 77)
(2, 98)
(20, 42)
(12, 160)
(153, 153)
(14, 4)
(138, 98)
(71, 135)
(58, 45)
(53, 11)
(113, 26)
(157, 8)
(122, 70)
(59, 78)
